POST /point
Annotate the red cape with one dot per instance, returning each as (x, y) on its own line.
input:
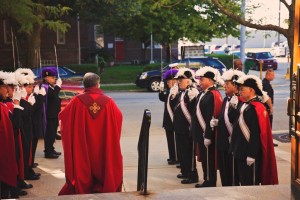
(92, 152)
(8, 163)
(269, 167)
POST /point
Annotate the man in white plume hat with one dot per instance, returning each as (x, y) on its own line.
(251, 141)
(182, 122)
(224, 128)
(207, 107)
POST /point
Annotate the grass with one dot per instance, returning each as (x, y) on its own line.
(122, 88)
(121, 74)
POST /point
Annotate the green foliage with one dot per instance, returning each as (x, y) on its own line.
(84, 68)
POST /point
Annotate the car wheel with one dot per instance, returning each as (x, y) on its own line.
(154, 85)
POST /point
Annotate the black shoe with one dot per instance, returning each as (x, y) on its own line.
(189, 181)
(275, 145)
(32, 177)
(58, 137)
(205, 184)
(169, 159)
(51, 155)
(178, 166)
(24, 185)
(38, 174)
(172, 162)
(34, 165)
(22, 193)
(56, 152)
(181, 176)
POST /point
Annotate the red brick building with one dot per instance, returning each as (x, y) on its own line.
(75, 46)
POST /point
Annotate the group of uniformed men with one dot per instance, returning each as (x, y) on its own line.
(232, 135)
(24, 105)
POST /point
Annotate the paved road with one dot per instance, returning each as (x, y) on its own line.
(160, 175)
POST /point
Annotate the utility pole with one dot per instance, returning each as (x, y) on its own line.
(242, 34)
(279, 10)
(151, 60)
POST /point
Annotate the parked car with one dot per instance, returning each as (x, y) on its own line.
(269, 62)
(69, 89)
(64, 73)
(151, 79)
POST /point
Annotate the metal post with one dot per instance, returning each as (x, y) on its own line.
(279, 21)
(242, 34)
(260, 68)
(78, 39)
(151, 38)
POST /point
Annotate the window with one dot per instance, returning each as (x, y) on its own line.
(61, 37)
(7, 32)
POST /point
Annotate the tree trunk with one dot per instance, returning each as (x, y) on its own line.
(34, 44)
(168, 53)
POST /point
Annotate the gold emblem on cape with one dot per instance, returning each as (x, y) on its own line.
(95, 108)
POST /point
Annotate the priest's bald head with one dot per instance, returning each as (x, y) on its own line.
(91, 80)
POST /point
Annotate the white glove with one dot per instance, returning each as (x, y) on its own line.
(31, 99)
(162, 86)
(17, 94)
(214, 122)
(234, 101)
(36, 89)
(23, 92)
(174, 90)
(207, 142)
(192, 93)
(250, 161)
(59, 82)
(42, 91)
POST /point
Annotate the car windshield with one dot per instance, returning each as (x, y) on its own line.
(263, 55)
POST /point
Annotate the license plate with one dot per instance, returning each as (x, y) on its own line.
(269, 65)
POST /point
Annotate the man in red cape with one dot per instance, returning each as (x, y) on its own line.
(252, 143)
(91, 130)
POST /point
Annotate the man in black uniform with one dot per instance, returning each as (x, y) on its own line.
(245, 142)
(207, 106)
(51, 109)
(164, 96)
(182, 122)
(224, 128)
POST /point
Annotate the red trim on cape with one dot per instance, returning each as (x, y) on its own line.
(269, 174)
(217, 110)
(8, 163)
(92, 152)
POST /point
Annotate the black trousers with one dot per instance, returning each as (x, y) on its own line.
(34, 146)
(227, 169)
(51, 131)
(171, 144)
(209, 169)
(246, 172)
(187, 154)
(26, 143)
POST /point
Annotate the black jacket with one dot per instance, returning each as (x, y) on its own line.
(167, 122)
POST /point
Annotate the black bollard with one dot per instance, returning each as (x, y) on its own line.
(143, 148)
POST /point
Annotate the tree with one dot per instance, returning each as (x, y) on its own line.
(224, 7)
(167, 20)
(29, 17)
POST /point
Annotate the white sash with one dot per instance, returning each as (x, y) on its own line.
(184, 108)
(199, 114)
(169, 108)
(244, 128)
(226, 119)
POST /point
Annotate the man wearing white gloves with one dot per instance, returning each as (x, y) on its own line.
(251, 141)
(164, 96)
(207, 107)
(182, 123)
(51, 109)
(25, 77)
(224, 128)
